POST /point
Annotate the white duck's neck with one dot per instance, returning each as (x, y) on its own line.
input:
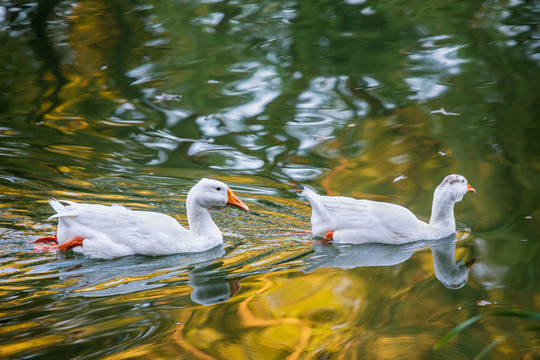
(442, 215)
(200, 221)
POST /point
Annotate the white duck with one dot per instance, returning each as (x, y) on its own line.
(107, 232)
(347, 220)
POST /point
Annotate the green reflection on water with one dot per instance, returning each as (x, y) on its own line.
(132, 103)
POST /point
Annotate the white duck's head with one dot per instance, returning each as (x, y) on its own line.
(453, 188)
(214, 195)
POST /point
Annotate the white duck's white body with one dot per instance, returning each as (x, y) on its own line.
(355, 221)
(114, 231)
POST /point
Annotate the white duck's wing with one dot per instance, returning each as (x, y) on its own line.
(373, 221)
(112, 231)
(337, 212)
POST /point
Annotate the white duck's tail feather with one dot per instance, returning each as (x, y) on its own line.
(56, 205)
(310, 194)
(60, 209)
(321, 220)
(315, 200)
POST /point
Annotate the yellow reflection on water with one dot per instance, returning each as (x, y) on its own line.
(277, 317)
(122, 280)
(7, 350)
(285, 332)
(84, 152)
(399, 144)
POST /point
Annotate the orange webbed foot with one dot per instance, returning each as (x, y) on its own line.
(51, 238)
(329, 235)
(76, 241)
(327, 240)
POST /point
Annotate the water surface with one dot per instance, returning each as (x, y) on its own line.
(132, 103)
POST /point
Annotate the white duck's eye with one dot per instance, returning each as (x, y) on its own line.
(218, 188)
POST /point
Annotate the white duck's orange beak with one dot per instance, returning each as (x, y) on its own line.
(233, 200)
(470, 189)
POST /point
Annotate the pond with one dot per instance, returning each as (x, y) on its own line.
(132, 102)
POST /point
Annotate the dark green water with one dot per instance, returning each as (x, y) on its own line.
(132, 102)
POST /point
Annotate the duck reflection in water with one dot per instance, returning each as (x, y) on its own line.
(209, 283)
(452, 274)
